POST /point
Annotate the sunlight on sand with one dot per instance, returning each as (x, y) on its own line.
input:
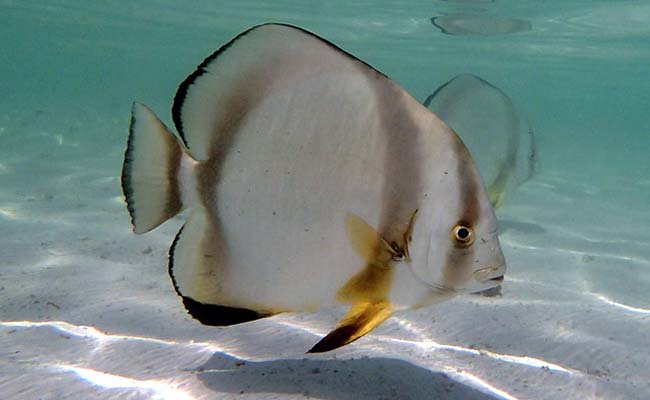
(426, 344)
(620, 305)
(586, 292)
(9, 212)
(475, 381)
(301, 328)
(93, 333)
(161, 389)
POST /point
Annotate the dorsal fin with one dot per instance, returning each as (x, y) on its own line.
(215, 100)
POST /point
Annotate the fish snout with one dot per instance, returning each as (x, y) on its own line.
(490, 274)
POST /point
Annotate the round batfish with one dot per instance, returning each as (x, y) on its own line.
(500, 140)
(313, 180)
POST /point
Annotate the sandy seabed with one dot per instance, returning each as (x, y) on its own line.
(87, 309)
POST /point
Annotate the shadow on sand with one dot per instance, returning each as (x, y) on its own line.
(364, 378)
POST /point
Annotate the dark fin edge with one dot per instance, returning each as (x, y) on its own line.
(337, 338)
(429, 99)
(167, 164)
(127, 169)
(181, 93)
(442, 30)
(210, 314)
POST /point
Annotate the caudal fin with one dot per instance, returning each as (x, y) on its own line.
(150, 174)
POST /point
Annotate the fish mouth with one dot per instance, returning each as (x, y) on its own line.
(490, 279)
(490, 274)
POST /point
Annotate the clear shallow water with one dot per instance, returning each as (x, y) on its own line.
(86, 307)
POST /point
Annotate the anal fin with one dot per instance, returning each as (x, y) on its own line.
(367, 242)
(198, 264)
(361, 319)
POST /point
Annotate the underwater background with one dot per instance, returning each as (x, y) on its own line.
(87, 309)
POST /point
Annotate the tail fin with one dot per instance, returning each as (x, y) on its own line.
(151, 171)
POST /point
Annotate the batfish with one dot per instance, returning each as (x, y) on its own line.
(313, 180)
(500, 140)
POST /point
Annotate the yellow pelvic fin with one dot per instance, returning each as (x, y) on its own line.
(361, 319)
(372, 284)
(497, 189)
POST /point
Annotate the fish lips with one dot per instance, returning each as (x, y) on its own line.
(490, 274)
(491, 279)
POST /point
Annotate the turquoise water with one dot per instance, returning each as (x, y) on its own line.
(87, 310)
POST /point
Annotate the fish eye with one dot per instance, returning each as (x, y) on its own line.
(462, 234)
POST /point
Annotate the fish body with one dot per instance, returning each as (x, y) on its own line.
(313, 180)
(498, 137)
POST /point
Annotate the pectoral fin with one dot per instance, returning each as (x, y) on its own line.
(367, 242)
(361, 319)
(372, 247)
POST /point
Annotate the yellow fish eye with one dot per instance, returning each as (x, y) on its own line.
(462, 234)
